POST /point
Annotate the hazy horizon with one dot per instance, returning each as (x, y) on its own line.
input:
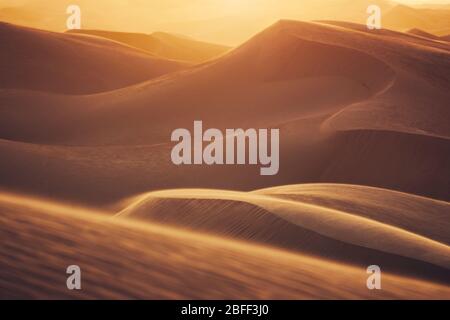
(227, 22)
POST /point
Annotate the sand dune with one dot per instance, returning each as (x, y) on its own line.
(164, 45)
(352, 106)
(259, 80)
(293, 40)
(275, 217)
(72, 64)
(419, 215)
(123, 259)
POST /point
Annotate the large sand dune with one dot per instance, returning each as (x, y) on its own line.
(353, 107)
(279, 73)
(72, 64)
(122, 259)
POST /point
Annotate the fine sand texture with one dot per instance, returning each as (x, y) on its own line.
(122, 260)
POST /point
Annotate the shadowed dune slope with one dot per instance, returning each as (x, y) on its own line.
(164, 45)
(277, 218)
(72, 64)
(122, 259)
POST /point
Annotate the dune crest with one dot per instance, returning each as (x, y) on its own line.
(163, 45)
(279, 219)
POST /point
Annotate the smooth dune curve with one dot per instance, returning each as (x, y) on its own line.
(60, 63)
(236, 214)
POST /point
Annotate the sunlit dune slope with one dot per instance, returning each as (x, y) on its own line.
(423, 216)
(164, 45)
(122, 259)
(75, 64)
(378, 230)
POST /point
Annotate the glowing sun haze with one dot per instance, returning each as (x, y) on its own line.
(221, 21)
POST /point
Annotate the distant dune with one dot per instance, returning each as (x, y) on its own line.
(446, 38)
(424, 34)
(164, 45)
(413, 35)
(72, 64)
(402, 18)
(123, 259)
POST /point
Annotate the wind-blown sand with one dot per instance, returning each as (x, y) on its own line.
(123, 259)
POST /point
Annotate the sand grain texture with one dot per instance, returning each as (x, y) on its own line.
(120, 259)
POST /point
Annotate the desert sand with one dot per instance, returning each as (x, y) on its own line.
(87, 178)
